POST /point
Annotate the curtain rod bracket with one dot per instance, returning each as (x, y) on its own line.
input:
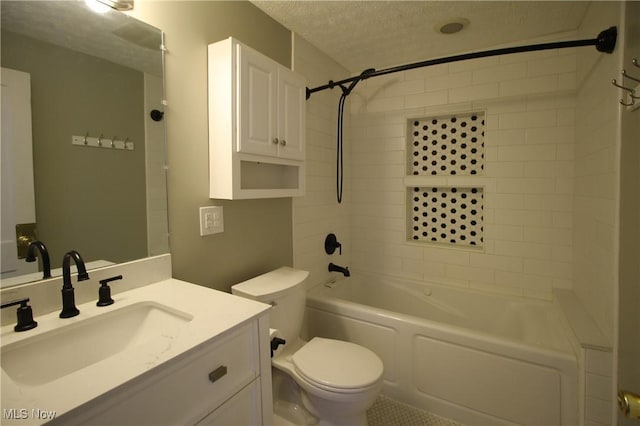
(606, 40)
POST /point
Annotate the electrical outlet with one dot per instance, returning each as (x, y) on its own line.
(211, 220)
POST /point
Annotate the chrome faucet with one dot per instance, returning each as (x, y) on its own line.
(68, 298)
(44, 257)
(336, 268)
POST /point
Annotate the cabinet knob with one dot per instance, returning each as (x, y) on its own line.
(283, 142)
(276, 141)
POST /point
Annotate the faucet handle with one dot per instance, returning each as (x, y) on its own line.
(24, 313)
(104, 292)
(331, 244)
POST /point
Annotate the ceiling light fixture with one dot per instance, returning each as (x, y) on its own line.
(453, 26)
(101, 6)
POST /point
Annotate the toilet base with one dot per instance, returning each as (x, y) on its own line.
(334, 414)
(292, 414)
(337, 413)
(287, 402)
(321, 406)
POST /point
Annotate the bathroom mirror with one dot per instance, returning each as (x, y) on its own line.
(92, 77)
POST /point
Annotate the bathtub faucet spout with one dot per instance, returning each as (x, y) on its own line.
(336, 268)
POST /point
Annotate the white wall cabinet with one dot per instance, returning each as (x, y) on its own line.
(256, 124)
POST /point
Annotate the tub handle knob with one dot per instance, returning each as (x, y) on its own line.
(331, 244)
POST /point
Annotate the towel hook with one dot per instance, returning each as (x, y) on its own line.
(85, 138)
(632, 103)
(632, 92)
(624, 74)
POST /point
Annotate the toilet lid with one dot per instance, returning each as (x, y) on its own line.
(337, 364)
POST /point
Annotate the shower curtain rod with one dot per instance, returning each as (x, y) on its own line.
(605, 42)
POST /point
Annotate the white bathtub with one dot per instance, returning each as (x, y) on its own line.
(473, 357)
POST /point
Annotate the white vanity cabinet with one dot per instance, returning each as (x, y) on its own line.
(256, 124)
(218, 383)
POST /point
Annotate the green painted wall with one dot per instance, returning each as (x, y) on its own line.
(72, 94)
(257, 233)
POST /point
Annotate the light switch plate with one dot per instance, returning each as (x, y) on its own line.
(211, 220)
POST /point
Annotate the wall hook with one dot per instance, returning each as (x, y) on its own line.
(624, 74)
(634, 61)
(632, 103)
(86, 142)
(631, 92)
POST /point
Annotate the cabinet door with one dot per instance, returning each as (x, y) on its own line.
(257, 103)
(291, 115)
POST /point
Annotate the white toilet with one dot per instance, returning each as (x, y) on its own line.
(337, 381)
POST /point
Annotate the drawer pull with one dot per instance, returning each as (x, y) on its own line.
(218, 373)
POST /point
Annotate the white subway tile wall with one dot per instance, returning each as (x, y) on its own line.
(549, 181)
(317, 213)
(596, 162)
(527, 181)
(598, 385)
(531, 198)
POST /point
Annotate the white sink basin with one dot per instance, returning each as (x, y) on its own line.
(51, 355)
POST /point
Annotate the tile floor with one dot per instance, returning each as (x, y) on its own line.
(387, 412)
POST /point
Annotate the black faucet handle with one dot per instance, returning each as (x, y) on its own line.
(104, 292)
(24, 314)
(331, 244)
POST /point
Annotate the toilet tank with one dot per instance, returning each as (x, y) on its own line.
(283, 289)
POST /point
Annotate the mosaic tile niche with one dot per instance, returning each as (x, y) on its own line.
(451, 145)
(446, 146)
(447, 215)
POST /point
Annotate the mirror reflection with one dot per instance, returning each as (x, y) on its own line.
(71, 75)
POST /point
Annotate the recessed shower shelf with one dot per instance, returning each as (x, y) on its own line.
(452, 215)
(445, 180)
(488, 183)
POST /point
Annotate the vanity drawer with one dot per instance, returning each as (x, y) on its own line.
(186, 391)
(242, 409)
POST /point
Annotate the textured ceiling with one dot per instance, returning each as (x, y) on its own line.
(379, 34)
(113, 36)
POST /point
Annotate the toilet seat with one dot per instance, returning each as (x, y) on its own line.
(337, 366)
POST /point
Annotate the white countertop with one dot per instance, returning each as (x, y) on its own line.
(214, 312)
